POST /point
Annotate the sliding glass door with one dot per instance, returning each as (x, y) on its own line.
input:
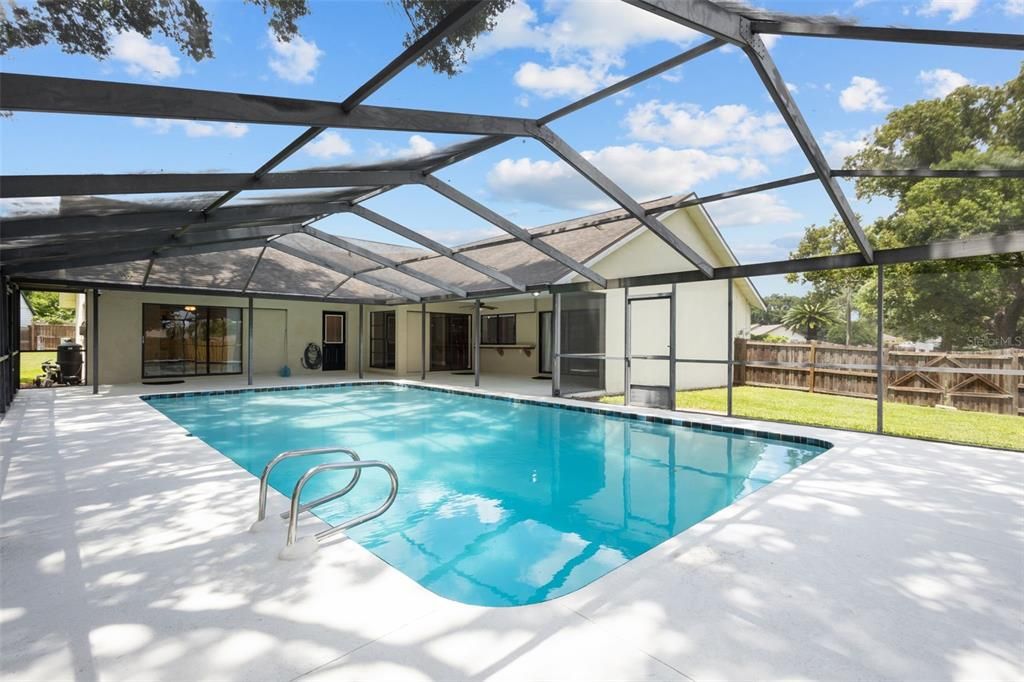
(382, 339)
(449, 342)
(188, 340)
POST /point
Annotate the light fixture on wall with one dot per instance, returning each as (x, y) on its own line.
(190, 308)
(536, 294)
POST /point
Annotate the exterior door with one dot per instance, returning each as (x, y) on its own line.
(382, 339)
(544, 336)
(449, 342)
(334, 341)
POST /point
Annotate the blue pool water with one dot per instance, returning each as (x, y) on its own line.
(501, 503)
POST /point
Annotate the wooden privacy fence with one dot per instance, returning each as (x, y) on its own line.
(987, 381)
(45, 336)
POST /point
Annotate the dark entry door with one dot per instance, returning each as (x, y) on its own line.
(334, 341)
(449, 341)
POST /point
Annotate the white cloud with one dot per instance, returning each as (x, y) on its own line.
(142, 56)
(581, 26)
(792, 87)
(733, 127)
(958, 10)
(941, 82)
(523, 101)
(162, 126)
(554, 81)
(416, 147)
(752, 209)
(1014, 7)
(862, 94)
(838, 145)
(582, 48)
(329, 145)
(295, 60)
(643, 172)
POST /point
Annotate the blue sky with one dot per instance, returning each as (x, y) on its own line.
(705, 127)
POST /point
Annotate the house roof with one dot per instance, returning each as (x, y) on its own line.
(278, 272)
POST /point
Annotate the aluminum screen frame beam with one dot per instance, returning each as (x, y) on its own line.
(998, 41)
(125, 222)
(128, 256)
(51, 94)
(499, 221)
(22, 186)
(42, 284)
(342, 270)
(139, 240)
(435, 246)
(455, 18)
(381, 260)
(707, 17)
(635, 79)
(576, 161)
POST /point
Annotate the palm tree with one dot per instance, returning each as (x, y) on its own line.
(811, 317)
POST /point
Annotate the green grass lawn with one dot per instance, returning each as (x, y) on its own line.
(779, 404)
(32, 362)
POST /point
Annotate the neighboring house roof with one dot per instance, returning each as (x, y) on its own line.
(582, 238)
(776, 330)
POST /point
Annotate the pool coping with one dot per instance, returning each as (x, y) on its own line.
(559, 404)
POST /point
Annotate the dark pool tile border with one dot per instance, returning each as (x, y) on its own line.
(656, 419)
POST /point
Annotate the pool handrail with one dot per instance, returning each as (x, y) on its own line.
(265, 479)
(357, 465)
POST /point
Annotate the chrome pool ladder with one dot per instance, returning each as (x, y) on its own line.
(297, 548)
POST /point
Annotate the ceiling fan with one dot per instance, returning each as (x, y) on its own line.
(485, 306)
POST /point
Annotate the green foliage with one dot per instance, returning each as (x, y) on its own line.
(450, 55)
(811, 317)
(776, 306)
(46, 307)
(916, 421)
(87, 26)
(770, 338)
(961, 301)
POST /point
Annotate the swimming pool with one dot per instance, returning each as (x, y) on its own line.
(502, 502)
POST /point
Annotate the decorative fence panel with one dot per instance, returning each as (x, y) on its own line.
(45, 336)
(944, 378)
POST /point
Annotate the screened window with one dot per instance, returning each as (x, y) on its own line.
(188, 340)
(382, 339)
(498, 330)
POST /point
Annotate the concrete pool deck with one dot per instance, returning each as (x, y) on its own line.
(124, 555)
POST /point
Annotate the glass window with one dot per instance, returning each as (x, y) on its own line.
(498, 330)
(334, 328)
(188, 340)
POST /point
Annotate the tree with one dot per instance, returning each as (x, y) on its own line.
(811, 317)
(776, 306)
(961, 301)
(87, 26)
(46, 307)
